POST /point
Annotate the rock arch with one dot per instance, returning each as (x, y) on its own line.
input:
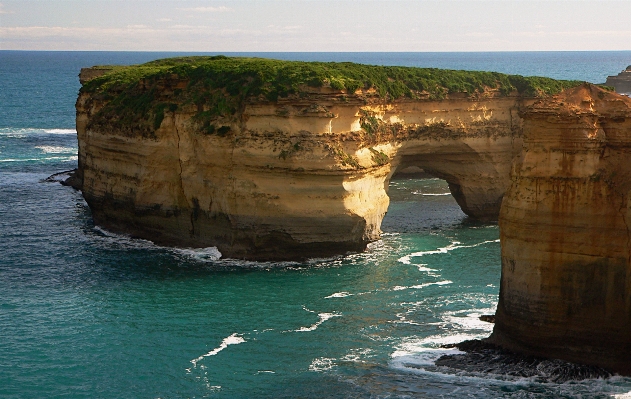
(293, 180)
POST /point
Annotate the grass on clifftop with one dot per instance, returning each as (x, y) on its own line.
(219, 85)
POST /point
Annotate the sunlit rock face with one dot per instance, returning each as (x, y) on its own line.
(293, 178)
(564, 228)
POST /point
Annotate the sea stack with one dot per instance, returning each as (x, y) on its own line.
(565, 233)
(271, 160)
(621, 82)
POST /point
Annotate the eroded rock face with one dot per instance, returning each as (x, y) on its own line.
(296, 178)
(621, 82)
(564, 228)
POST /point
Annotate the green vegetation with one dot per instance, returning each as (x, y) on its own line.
(219, 86)
(379, 157)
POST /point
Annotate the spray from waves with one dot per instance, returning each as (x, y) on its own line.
(233, 339)
(454, 245)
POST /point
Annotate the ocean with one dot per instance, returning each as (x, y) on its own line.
(85, 313)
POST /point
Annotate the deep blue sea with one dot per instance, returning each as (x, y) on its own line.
(85, 313)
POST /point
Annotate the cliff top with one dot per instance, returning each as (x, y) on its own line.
(135, 98)
(274, 78)
(584, 99)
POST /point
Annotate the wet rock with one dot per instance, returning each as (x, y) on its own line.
(485, 357)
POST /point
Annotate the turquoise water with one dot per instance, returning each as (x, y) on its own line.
(85, 313)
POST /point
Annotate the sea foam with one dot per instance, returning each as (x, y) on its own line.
(233, 339)
(454, 245)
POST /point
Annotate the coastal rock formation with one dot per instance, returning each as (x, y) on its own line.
(565, 233)
(287, 172)
(621, 82)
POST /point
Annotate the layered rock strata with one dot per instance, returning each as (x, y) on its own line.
(302, 176)
(621, 82)
(565, 233)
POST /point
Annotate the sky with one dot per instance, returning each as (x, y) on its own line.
(310, 25)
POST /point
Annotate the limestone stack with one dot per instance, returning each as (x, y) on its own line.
(297, 176)
(621, 82)
(565, 233)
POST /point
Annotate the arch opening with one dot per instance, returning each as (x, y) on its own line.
(420, 201)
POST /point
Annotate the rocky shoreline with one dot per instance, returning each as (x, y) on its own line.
(484, 357)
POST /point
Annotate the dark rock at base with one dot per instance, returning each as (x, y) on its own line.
(621, 82)
(484, 357)
(489, 318)
(69, 178)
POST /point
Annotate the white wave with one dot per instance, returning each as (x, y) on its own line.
(430, 194)
(49, 149)
(471, 321)
(71, 158)
(323, 317)
(124, 240)
(322, 364)
(60, 131)
(413, 346)
(358, 355)
(233, 339)
(339, 295)
(18, 160)
(419, 286)
(199, 254)
(454, 245)
(265, 372)
(622, 395)
(422, 357)
(21, 132)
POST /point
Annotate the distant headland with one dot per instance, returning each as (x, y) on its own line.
(621, 82)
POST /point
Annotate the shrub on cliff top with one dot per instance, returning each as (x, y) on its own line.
(279, 78)
(220, 85)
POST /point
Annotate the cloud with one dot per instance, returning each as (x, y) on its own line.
(164, 20)
(207, 9)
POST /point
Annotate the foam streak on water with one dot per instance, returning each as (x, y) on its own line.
(454, 245)
(233, 339)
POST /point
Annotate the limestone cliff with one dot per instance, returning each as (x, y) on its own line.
(621, 82)
(288, 160)
(564, 228)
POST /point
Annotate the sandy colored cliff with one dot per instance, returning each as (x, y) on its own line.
(244, 155)
(564, 228)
